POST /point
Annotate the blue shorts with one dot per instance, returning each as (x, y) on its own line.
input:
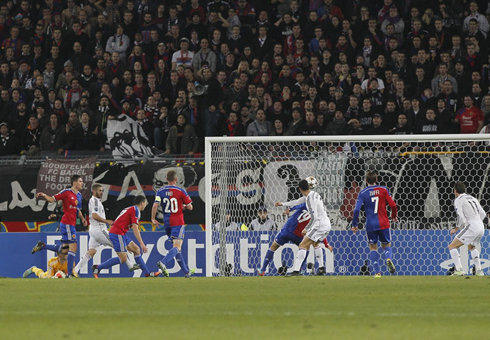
(120, 242)
(285, 236)
(175, 233)
(68, 233)
(382, 235)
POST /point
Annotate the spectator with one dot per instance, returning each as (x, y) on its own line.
(31, 137)
(9, 144)
(470, 117)
(182, 138)
(52, 135)
(261, 126)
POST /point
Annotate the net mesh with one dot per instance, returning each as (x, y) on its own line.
(247, 175)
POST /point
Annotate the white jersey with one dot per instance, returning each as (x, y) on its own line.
(314, 205)
(470, 212)
(267, 225)
(95, 206)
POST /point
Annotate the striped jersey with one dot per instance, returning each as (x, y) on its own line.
(469, 211)
(125, 221)
(374, 198)
(172, 199)
(72, 202)
(298, 220)
(314, 206)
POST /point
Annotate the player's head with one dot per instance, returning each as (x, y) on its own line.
(304, 187)
(77, 182)
(172, 176)
(97, 190)
(371, 177)
(141, 202)
(63, 250)
(459, 188)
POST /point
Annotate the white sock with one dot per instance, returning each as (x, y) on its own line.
(129, 263)
(300, 257)
(319, 256)
(456, 259)
(83, 261)
(475, 254)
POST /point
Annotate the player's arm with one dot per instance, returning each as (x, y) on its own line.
(48, 198)
(392, 204)
(291, 203)
(154, 209)
(96, 217)
(461, 220)
(187, 206)
(301, 206)
(355, 218)
(137, 234)
(80, 215)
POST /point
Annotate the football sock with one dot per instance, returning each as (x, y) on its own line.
(139, 260)
(300, 257)
(304, 264)
(475, 254)
(388, 253)
(267, 260)
(83, 261)
(52, 247)
(70, 260)
(456, 259)
(37, 271)
(181, 262)
(319, 256)
(129, 263)
(374, 259)
(109, 263)
(170, 255)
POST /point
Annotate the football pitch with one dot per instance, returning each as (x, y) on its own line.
(246, 308)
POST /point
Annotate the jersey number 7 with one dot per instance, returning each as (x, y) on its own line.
(375, 199)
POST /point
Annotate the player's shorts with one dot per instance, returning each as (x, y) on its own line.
(175, 233)
(285, 236)
(68, 233)
(98, 237)
(383, 235)
(318, 231)
(470, 235)
(120, 242)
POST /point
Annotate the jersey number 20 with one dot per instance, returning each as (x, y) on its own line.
(171, 205)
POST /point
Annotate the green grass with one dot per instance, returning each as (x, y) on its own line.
(246, 308)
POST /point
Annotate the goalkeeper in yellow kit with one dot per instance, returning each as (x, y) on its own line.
(56, 264)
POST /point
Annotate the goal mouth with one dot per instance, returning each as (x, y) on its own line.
(245, 173)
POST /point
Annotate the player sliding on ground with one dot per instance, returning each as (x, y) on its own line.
(374, 198)
(318, 227)
(292, 232)
(57, 266)
(128, 218)
(470, 219)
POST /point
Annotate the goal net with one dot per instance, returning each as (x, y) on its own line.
(247, 175)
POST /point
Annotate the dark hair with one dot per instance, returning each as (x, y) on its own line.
(74, 178)
(460, 187)
(139, 199)
(303, 185)
(371, 177)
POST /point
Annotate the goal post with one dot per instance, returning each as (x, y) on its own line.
(244, 174)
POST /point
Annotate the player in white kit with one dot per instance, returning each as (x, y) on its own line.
(99, 235)
(470, 221)
(318, 227)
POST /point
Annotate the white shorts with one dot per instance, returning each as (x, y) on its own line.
(98, 238)
(470, 235)
(318, 231)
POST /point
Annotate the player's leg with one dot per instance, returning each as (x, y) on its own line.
(268, 256)
(85, 258)
(373, 252)
(68, 236)
(177, 235)
(455, 256)
(319, 258)
(475, 254)
(385, 238)
(301, 255)
(119, 242)
(40, 245)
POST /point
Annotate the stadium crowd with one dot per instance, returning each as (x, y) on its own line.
(186, 69)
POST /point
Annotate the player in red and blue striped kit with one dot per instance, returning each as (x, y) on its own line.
(374, 198)
(174, 200)
(72, 205)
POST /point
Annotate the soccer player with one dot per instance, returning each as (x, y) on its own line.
(174, 201)
(128, 218)
(72, 205)
(470, 219)
(318, 227)
(374, 198)
(55, 265)
(292, 232)
(99, 235)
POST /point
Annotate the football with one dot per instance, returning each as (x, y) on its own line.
(59, 275)
(312, 181)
